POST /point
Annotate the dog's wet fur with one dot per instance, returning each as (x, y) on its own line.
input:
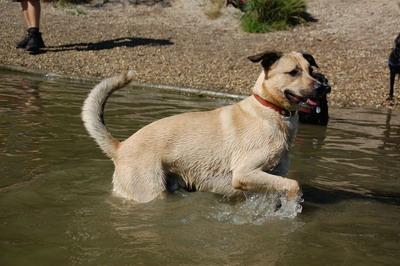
(230, 150)
(394, 66)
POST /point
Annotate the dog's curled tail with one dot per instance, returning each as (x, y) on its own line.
(93, 109)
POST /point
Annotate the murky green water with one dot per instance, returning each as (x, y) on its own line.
(56, 206)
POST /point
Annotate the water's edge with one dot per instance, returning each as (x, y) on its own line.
(189, 90)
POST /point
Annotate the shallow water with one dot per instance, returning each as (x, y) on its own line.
(56, 205)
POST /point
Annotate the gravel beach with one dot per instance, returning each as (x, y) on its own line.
(175, 43)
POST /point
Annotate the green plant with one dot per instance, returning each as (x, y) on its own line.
(269, 15)
(71, 7)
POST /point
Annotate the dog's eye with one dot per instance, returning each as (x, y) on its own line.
(294, 72)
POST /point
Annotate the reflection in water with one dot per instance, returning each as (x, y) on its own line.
(25, 96)
(391, 134)
(386, 133)
(349, 158)
(56, 205)
(20, 104)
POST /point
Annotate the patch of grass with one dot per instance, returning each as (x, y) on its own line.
(71, 6)
(271, 15)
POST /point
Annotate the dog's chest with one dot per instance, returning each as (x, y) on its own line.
(394, 57)
(279, 162)
(292, 124)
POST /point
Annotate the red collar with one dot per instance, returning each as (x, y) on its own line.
(266, 103)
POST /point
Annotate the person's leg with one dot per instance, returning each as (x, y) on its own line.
(24, 7)
(33, 11)
(35, 41)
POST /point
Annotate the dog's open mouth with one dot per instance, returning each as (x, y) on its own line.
(309, 105)
(293, 98)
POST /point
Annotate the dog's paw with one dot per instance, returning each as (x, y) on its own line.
(389, 102)
(293, 189)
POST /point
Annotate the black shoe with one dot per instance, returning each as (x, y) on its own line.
(41, 42)
(23, 42)
(33, 45)
(35, 41)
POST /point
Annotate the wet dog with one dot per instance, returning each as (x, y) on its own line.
(229, 150)
(315, 109)
(394, 65)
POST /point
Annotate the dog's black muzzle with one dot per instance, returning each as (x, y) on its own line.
(322, 87)
(314, 110)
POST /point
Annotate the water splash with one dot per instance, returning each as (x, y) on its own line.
(257, 209)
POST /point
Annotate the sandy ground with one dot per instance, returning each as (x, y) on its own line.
(175, 43)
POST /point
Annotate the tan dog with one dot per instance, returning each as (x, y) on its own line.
(236, 148)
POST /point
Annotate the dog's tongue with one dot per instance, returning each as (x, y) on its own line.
(311, 102)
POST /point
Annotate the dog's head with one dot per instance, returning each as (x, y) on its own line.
(286, 79)
(316, 102)
(315, 109)
(397, 42)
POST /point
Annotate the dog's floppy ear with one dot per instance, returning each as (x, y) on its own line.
(397, 40)
(310, 59)
(267, 58)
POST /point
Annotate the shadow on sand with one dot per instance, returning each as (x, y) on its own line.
(109, 44)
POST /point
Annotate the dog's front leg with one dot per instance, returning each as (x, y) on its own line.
(259, 181)
(391, 84)
(249, 176)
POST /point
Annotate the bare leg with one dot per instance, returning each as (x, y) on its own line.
(24, 41)
(31, 11)
(24, 7)
(33, 40)
(34, 13)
